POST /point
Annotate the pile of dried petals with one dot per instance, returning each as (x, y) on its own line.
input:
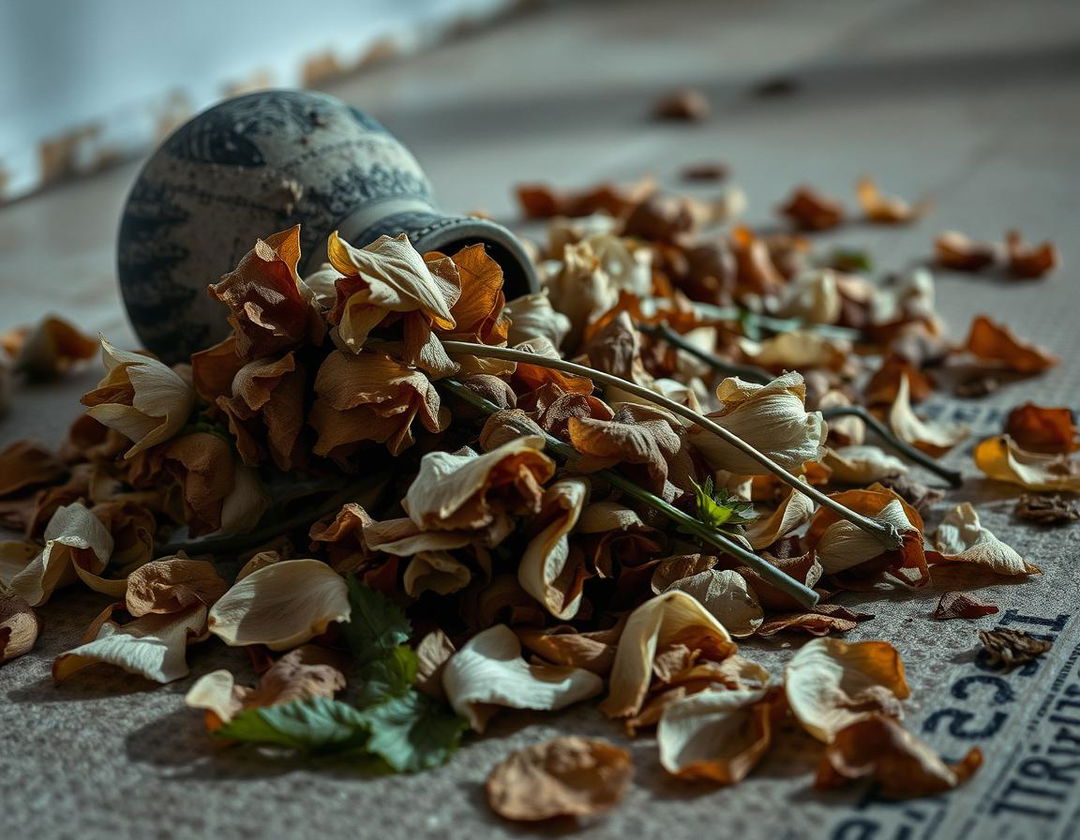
(438, 514)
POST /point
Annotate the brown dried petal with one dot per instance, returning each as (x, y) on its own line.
(1009, 648)
(1029, 262)
(961, 605)
(48, 349)
(902, 766)
(961, 253)
(19, 627)
(993, 342)
(172, 585)
(25, 464)
(810, 210)
(1047, 510)
(1038, 428)
(637, 434)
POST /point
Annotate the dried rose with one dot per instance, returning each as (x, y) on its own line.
(19, 627)
(1009, 648)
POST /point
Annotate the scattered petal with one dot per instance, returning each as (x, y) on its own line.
(862, 464)
(1002, 460)
(1029, 262)
(19, 627)
(810, 210)
(1041, 429)
(727, 596)
(933, 438)
(996, 343)
(961, 605)
(1047, 510)
(958, 252)
(961, 538)
(548, 570)
(885, 209)
(1009, 648)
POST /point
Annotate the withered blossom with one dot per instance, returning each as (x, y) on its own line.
(1053, 509)
(810, 210)
(1009, 648)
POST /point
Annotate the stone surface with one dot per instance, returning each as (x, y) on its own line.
(971, 102)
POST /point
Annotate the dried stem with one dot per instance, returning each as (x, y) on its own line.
(751, 373)
(886, 533)
(954, 478)
(768, 322)
(781, 580)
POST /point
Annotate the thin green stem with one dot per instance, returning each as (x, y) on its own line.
(884, 532)
(954, 478)
(751, 373)
(768, 322)
(789, 585)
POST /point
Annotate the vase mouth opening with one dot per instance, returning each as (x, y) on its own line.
(519, 274)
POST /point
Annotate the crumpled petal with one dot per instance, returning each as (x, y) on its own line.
(533, 316)
(569, 776)
(1002, 460)
(996, 343)
(281, 606)
(650, 627)
(1038, 428)
(48, 349)
(547, 570)
(488, 672)
(933, 438)
(19, 627)
(437, 571)
(726, 595)
(831, 684)
(172, 584)
(794, 509)
(771, 417)
(77, 546)
(886, 209)
(718, 736)
(862, 464)
(25, 464)
(140, 397)
(153, 646)
(962, 538)
(805, 348)
(456, 491)
(901, 766)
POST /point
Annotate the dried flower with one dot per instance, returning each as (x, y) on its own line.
(1047, 510)
(961, 605)
(958, 252)
(1001, 459)
(1008, 648)
(810, 210)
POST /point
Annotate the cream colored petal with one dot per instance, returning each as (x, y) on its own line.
(798, 348)
(153, 646)
(813, 296)
(862, 464)
(714, 735)
(935, 438)
(488, 672)
(437, 571)
(830, 684)
(961, 538)
(771, 417)
(281, 606)
(543, 569)
(1002, 460)
(601, 517)
(726, 595)
(75, 540)
(533, 316)
(215, 692)
(242, 509)
(162, 398)
(847, 429)
(650, 626)
(794, 509)
(844, 545)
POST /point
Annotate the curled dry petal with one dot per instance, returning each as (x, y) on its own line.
(962, 538)
(469, 491)
(306, 672)
(1042, 429)
(810, 210)
(564, 645)
(1029, 261)
(651, 627)
(77, 546)
(153, 646)
(25, 464)
(960, 252)
(432, 653)
(266, 409)
(370, 396)
(488, 673)
(568, 776)
(933, 438)
(435, 571)
(772, 418)
(389, 275)
(270, 309)
(718, 736)
(862, 464)
(281, 606)
(172, 585)
(539, 201)
(640, 435)
(19, 627)
(1002, 460)
(886, 209)
(140, 397)
(49, 349)
(993, 342)
(478, 311)
(961, 605)
(901, 766)
(581, 289)
(726, 595)
(831, 684)
(533, 316)
(549, 571)
(798, 348)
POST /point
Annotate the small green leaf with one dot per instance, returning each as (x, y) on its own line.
(390, 675)
(850, 259)
(719, 508)
(376, 626)
(413, 732)
(316, 724)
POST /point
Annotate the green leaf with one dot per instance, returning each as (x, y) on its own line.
(391, 675)
(850, 259)
(720, 509)
(376, 625)
(316, 724)
(413, 732)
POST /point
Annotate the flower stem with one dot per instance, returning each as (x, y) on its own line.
(954, 478)
(778, 578)
(768, 322)
(751, 373)
(884, 532)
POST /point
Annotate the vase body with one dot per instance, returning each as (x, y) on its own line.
(261, 163)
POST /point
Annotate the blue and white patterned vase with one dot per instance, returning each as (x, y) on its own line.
(258, 164)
